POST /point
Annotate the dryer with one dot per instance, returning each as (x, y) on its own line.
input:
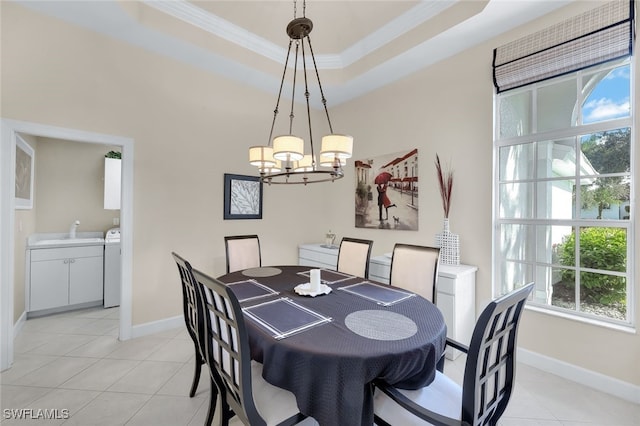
(112, 262)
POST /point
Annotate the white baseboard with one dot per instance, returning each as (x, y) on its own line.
(598, 381)
(157, 326)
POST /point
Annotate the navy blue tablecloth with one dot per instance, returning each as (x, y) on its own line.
(329, 367)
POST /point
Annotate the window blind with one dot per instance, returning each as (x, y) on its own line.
(594, 37)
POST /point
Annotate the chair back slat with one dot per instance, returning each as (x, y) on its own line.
(415, 268)
(353, 256)
(227, 346)
(243, 252)
(190, 302)
(490, 368)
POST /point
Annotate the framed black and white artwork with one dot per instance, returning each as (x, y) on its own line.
(242, 197)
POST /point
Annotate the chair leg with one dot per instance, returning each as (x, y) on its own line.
(226, 413)
(196, 373)
(213, 398)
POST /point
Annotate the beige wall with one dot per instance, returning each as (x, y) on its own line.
(24, 225)
(70, 186)
(190, 127)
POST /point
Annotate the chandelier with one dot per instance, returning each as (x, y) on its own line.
(282, 160)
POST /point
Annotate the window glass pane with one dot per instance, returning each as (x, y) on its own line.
(515, 115)
(516, 200)
(605, 198)
(513, 275)
(606, 95)
(517, 242)
(563, 291)
(516, 162)
(603, 295)
(555, 286)
(606, 152)
(557, 158)
(554, 237)
(557, 105)
(604, 249)
(556, 199)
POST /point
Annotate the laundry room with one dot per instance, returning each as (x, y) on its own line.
(67, 232)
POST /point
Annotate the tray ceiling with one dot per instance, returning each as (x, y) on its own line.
(360, 45)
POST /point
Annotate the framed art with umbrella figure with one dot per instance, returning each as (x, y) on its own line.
(387, 191)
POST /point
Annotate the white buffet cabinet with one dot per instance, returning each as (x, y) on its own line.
(456, 291)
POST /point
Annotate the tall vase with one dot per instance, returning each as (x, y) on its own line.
(449, 244)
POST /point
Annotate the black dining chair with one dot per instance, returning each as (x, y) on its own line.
(353, 256)
(246, 394)
(489, 375)
(195, 327)
(243, 252)
(415, 268)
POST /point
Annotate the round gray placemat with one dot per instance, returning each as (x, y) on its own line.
(380, 325)
(261, 272)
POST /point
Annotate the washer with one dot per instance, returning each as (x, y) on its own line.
(112, 264)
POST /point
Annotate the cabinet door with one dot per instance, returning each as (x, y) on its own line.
(49, 286)
(85, 280)
(447, 305)
(379, 272)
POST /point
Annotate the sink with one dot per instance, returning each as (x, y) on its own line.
(61, 239)
(69, 241)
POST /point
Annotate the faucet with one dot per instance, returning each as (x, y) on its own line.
(72, 230)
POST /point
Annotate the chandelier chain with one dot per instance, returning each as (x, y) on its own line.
(295, 8)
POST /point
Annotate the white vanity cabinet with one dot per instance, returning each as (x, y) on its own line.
(455, 295)
(64, 276)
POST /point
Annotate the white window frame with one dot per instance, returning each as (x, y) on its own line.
(580, 129)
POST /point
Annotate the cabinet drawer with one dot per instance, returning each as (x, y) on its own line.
(66, 253)
(379, 272)
(307, 257)
(446, 285)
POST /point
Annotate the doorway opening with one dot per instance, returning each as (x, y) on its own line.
(9, 133)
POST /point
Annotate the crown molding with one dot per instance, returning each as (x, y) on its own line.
(213, 24)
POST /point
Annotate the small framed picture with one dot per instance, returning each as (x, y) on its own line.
(242, 197)
(24, 175)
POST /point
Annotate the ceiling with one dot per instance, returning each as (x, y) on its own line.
(360, 45)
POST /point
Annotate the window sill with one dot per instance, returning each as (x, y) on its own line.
(585, 320)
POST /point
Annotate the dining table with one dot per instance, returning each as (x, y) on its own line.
(327, 346)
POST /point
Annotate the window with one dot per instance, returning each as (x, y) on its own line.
(563, 182)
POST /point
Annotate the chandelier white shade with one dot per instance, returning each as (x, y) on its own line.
(328, 160)
(340, 146)
(261, 156)
(275, 168)
(288, 148)
(306, 164)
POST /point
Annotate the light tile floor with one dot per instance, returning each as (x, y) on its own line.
(74, 361)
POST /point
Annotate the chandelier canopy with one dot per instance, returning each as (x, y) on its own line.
(283, 160)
